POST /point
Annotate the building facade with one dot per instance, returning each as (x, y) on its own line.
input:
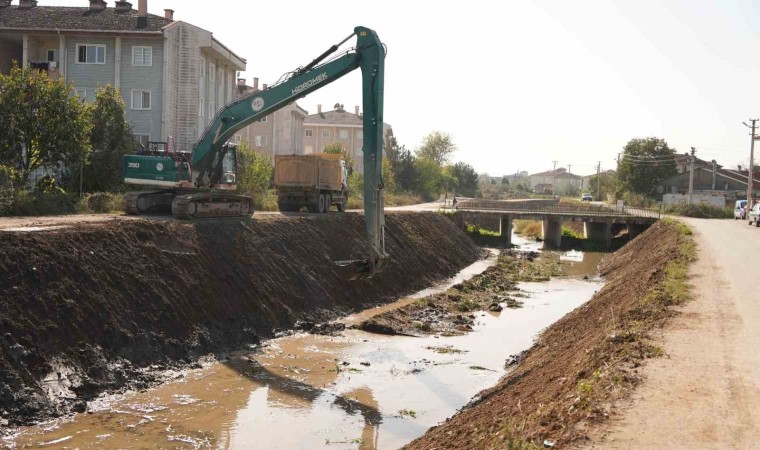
(173, 76)
(280, 133)
(338, 126)
(559, 181)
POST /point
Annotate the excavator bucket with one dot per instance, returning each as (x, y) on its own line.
(357, 269)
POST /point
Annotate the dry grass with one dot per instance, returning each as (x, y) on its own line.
(528, 228)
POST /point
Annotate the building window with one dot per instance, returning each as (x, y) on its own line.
(142, 56)
(143, 140)
(202, 72)
(326, 134)
(84, 94)
(343, 134)
(91, 54)
(212, 73)
(237, 139)
(211, 110)
(140, 99)
(201, 106)
(309, 132)
(260, 141)
(52, 56)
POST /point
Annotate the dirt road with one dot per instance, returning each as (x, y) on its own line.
(47, 222)
(706, 392)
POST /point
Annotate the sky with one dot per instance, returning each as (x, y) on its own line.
(520, 84)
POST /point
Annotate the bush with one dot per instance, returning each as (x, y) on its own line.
(528, 228)
(101, 202)
(702, 211)
(36, 203)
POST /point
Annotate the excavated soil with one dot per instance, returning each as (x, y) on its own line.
(582, 365)
(105, 307)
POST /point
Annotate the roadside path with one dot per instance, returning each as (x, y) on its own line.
(706, 392)
(52, 222)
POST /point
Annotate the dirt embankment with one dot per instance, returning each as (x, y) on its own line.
(584, 363)
(85, 310)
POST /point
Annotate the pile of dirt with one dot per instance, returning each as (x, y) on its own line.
(585, 362)
(449, 313)
(104, 307)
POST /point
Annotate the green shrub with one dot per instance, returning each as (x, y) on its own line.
(101, 202)
(36, 203)
(701, 210)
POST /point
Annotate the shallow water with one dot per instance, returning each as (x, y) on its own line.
(358, 390)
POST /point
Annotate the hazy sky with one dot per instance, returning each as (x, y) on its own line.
(519, 84)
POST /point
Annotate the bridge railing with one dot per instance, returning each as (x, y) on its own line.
(539, 208)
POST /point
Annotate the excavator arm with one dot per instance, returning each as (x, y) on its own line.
(369, 56)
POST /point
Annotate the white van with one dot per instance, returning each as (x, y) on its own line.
(739, 211)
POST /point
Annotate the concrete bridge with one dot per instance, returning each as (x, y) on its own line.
(598, 219)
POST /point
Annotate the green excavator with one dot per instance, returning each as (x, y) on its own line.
(202, 183)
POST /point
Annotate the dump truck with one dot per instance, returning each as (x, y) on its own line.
(316, 182)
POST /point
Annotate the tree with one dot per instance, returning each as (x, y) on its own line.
(429, 181)
(467, 179)
(405, 169)
(437, 147)
(336, 148)
(255, 172)
(645, 163)
(42, 124)
(607, 185)
(111, 138)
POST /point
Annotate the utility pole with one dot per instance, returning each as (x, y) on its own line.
(598, 179)
(691, 173)
(554, 177)
(617, 176)
(750, 177)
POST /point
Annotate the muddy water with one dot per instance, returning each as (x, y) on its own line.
(354, 391)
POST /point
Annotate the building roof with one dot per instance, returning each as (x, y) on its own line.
(339, 117)
(559, 173)
(336, 117)
(66, 18)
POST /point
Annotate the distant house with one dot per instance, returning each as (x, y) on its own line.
(562, 180)
(337, 126)
(586, 184)
(542, 188)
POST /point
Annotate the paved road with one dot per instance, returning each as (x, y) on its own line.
(706, 393)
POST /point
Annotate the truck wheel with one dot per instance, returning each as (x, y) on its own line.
(328, 203)
(321, 203)
(342, 206)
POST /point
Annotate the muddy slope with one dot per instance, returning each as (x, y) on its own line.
(87, 308)
(573, 375)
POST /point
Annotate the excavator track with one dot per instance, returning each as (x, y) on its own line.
(144, 202)
(211, 205)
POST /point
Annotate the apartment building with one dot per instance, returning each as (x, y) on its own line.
(325, 128)
(280, 133)
(174, 76)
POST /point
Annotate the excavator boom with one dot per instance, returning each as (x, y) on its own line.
(204, 169)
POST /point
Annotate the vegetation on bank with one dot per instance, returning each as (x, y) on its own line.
(702, 211)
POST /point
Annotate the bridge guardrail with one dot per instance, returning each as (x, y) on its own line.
(555, 209)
